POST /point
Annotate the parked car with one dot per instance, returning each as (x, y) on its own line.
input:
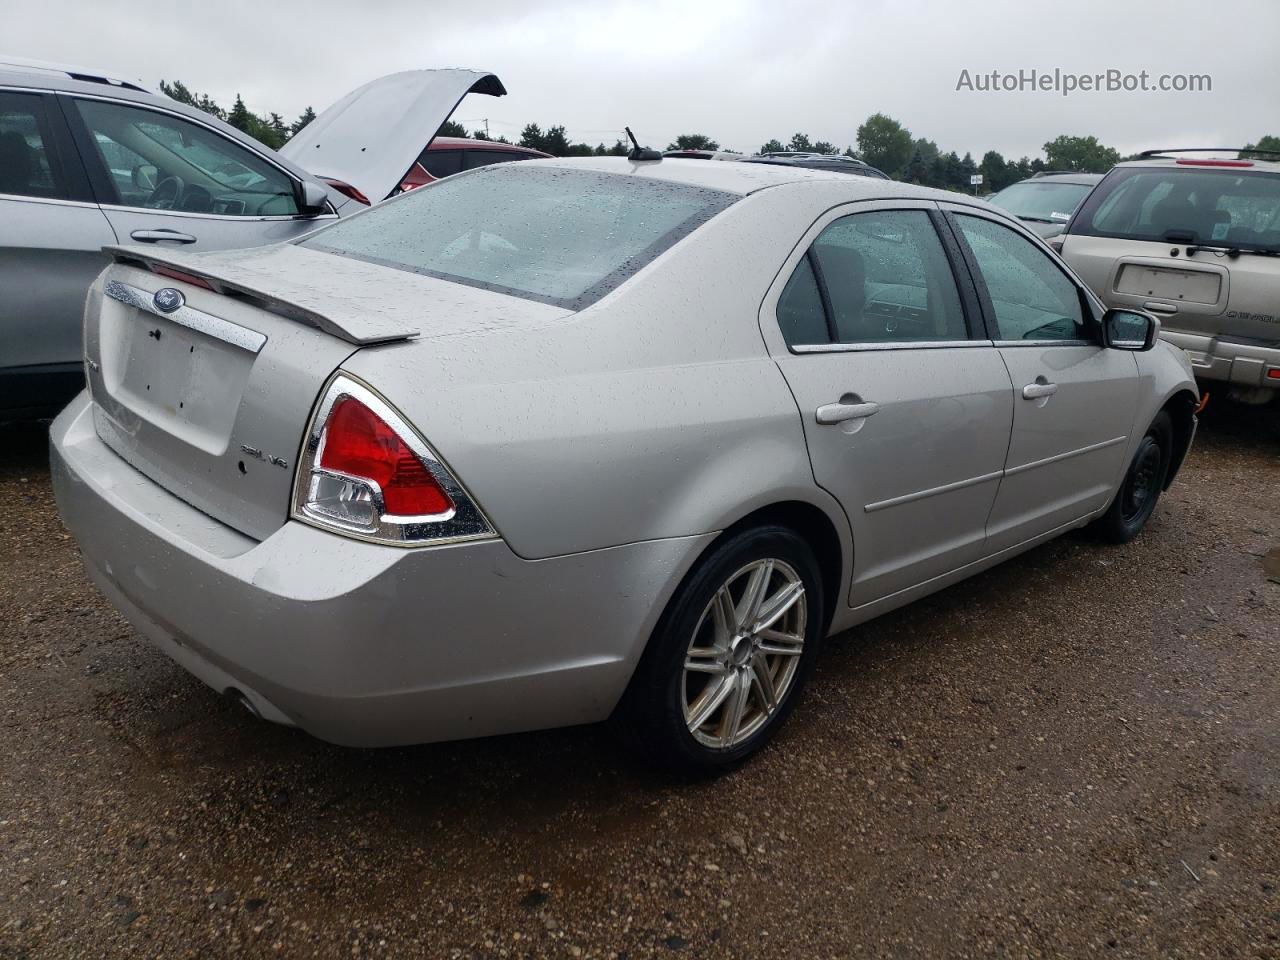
(1196, 241)
(818, 162)
(449, 155)
(544, 441)
(87, 160)
(1047, 200)
(703, 155)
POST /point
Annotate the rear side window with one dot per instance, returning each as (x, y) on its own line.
(27, 167)
(1031, 297)
(886, 278)
(1228, 207)
(483, 158)
(559, 236)
(441, 163)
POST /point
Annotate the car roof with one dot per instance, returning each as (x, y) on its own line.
(1081, 178)
(747, 178)
(469, 143)
(1205, 163)
(44, 71)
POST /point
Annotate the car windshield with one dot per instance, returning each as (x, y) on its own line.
(1226, 208)
(1053, 202)
(559, 236)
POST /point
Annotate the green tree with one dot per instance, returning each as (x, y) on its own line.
(201, 101)
(995, 170)
(304, 118)
(885, 143)
(278, 128)
(917, 171)
(240, 117)
(451, 129)
(822, 146)
(1270, 143)
(800, 143)
(927, 149)
(693, 141)
(773, 146)
(1080, 154)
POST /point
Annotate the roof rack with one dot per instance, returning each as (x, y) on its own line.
(85, 74)
(1145, 154)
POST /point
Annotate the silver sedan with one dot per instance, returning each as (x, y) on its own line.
(551, 442)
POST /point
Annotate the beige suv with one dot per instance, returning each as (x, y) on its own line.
(1194, 240)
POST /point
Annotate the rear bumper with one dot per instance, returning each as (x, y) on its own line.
(357, 643)
(1234, 361)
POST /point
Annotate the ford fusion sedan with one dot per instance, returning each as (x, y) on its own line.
(548, 442)
(87, 160)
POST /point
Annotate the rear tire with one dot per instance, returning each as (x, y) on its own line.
(728, 659)
(1143, 481)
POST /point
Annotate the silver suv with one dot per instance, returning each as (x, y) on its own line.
(1196, 241)
(87, 160)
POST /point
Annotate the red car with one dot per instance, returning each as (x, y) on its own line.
(445, 157)
(449, 155)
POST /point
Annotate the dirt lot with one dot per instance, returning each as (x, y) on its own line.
(1076, 754)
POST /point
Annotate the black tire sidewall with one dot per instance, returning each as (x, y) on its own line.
(1116, 526)
(656, 694)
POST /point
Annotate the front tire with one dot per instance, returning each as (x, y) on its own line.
(730, 655)
(1140, 490)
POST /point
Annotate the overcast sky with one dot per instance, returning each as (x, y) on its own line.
(737, 70)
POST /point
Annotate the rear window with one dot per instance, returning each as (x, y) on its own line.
(559, 236)
(1225, 208)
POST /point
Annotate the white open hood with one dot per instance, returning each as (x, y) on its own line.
(372, 136)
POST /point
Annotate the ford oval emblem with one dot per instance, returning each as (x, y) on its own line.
(168, 299)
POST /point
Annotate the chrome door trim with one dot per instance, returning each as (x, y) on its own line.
(1057, 457)
(22, 198)
(932, 491)
(188, 317)
(229, 218)
(887, 345)
(1047, 343)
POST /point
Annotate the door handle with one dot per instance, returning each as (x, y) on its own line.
(830, 413)
(1038, 390)
(155, 236)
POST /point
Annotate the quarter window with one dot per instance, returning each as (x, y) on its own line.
(886, 278)
(1031, 297)
(162, 162)
(27, 168)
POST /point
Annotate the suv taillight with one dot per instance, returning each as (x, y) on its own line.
(367, 473)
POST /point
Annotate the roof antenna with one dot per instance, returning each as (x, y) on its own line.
(639, 153)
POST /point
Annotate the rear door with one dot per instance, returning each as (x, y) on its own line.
(51, 239)
(171, 181)
(906, 407)
(1074, 400)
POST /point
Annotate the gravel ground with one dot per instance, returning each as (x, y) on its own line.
(1076, 754)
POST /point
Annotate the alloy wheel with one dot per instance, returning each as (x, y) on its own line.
(742, 659)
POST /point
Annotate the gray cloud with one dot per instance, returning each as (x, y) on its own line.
(741, 72)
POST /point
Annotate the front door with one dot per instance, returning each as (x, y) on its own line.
(166, 180)
(906, 414)
(1075, 401)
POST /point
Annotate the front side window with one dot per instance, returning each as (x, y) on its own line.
(163, 162)
(27, 168)
(560, 236)
(1228, 207)
(886, 278)
(1032, 299)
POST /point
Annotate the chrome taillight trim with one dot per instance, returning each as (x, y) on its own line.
(464, 522)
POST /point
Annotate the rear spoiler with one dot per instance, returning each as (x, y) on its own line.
(242, 275)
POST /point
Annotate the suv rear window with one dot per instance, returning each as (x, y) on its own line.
(559, 236)
(1224, 208)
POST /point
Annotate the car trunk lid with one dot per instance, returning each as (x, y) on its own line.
(374, 135)
(211, 399)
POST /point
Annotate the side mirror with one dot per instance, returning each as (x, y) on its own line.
(145, 176)
(1129, 330)
(314, 199)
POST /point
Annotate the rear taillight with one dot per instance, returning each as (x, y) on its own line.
(346, 189)
(366, 472)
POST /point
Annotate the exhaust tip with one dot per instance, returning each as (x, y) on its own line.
(244, 701)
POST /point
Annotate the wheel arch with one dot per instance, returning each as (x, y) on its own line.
(1181, 408)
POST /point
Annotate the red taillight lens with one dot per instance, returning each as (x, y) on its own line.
(358, 443)
(346, 189)
(173, 274)
(1188, 162)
